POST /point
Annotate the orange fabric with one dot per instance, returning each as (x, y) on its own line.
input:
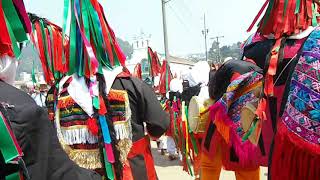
(127, 174)
(211, 168)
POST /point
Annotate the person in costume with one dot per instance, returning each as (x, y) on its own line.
(188, 141)
(229, 71)
(286, 45)
(29, 148)
(224, 144)
(174, 106)
(97, 107)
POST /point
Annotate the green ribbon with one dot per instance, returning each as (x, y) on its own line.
(314, 15)
(194, 143)
(96, 36)
(7, 146)
(33, 76)
(45, 44)
(297, 10)
(15, 47)
(96, 103)
(253, 127)
(55, 73)
(14, 176)
(116, 59)
(285, 9)
(64, 27)
(150, 64)
(189, 166)
(192, 138)
(108, 166)
(73, 40)
(14, 20)
(167, 77)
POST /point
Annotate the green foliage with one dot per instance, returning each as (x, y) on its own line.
(126, 47)
(225, 51)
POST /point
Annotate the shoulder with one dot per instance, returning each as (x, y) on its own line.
(14, 96)
(128, 83)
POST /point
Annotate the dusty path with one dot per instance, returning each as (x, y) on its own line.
(171, 170)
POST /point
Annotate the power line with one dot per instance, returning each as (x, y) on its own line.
(179, 18)
(205, 32)
(185, 5)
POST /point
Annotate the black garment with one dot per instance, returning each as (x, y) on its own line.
(189, 92)
(145, 107)
(43, 155)
(259, 52)
(223, 75)
(174, 94)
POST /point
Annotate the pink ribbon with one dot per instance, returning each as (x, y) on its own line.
(89, 49)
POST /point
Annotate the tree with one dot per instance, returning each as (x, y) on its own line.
(126, 47)
(225, 51)
(213, 52)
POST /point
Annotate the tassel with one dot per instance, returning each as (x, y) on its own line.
(93, 126)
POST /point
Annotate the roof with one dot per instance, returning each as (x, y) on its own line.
(183, 61)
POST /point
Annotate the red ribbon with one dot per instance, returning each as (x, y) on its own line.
(272, 69)
(105, 31)
(258, 15)
(41, 52)
(88, 47)
(5, 41)
(19, 5)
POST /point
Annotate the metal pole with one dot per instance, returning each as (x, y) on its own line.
(165, 35)
(205, 35)
(219, 59)
(218, 43)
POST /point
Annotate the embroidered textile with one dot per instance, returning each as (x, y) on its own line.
(302, 113)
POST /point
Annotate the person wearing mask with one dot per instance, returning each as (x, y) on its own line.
(231, 87)
(29, 147)
(104, 117)
(286, 46)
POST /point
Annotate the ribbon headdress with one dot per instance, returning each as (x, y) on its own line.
(50, 44)
(283, 18)
(92, 49)
(93, 43)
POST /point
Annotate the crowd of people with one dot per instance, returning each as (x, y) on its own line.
(97, 119)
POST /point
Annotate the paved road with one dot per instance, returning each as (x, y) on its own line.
(171, 170)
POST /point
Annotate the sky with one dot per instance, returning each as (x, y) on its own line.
(185, 22)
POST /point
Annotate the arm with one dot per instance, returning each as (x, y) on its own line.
(155, 117)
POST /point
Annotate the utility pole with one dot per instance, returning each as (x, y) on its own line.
(218, 43)
(205, 32)
(165, 35)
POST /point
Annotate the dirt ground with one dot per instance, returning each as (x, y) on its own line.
(172, 170)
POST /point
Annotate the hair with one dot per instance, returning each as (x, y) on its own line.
(211, 83)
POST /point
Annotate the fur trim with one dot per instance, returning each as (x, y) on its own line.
(78, 135)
